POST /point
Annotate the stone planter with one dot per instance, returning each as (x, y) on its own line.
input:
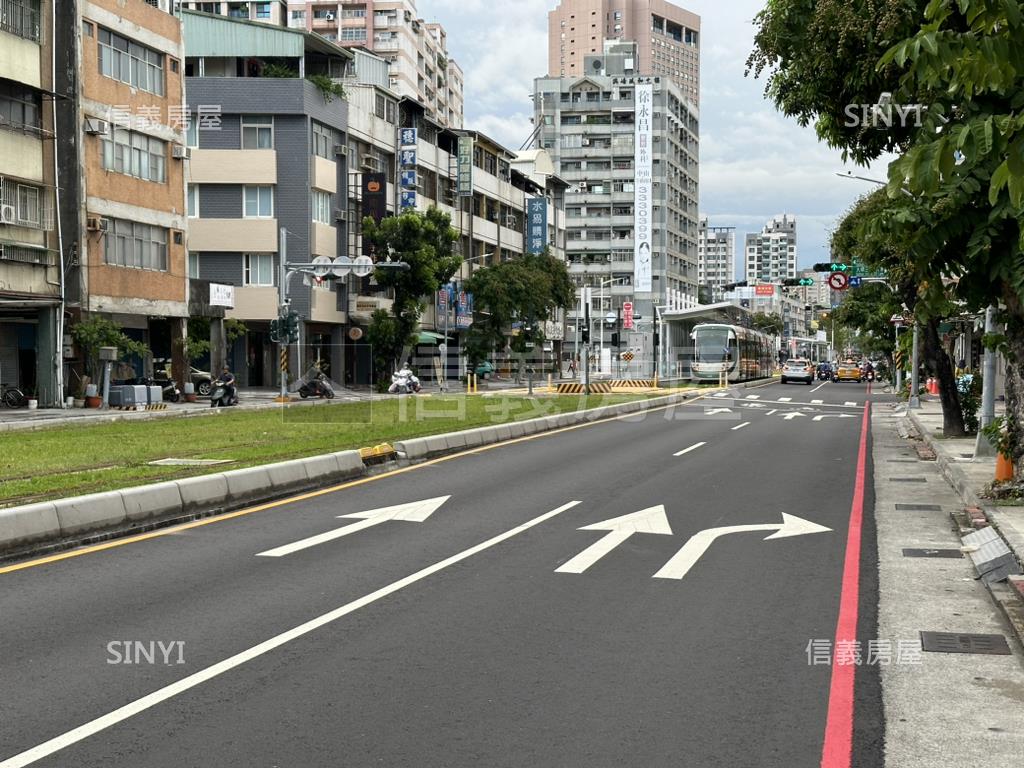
(79, 402)
(189, 391)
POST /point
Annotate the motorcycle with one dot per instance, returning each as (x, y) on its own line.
(317, 387)
(223, 395)
(404, 383)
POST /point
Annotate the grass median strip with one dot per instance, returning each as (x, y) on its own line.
(72, 460)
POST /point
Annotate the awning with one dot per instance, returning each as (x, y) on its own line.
(427, 337)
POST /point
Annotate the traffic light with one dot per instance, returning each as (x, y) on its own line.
(291, 323)
(807, 281)
(792, 282)
(615, 338)
(585, 334)
(275, 330)
(822, 266)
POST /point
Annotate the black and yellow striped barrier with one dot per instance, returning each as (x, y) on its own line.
(634, 383)
(596, 388)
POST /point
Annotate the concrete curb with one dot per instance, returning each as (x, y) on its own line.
(69, 522)
(1003, 595)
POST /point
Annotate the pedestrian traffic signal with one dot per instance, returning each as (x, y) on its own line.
(615, 338)
(275, 330)
(585, 335)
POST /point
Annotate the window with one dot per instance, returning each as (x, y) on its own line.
(353, 33)
(129, 62)
(259, 269)
(257, 132)
(134, 154)
(28, 205)
(192, 195)
(131, 244)
(192, 134)
(323, 141)
(263, 10)
(259, 202)
(20, 107)
(21, 18)
(193, 266)
(321, 206)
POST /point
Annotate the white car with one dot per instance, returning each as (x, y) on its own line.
(798, 370)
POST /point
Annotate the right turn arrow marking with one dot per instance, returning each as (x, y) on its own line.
(650, 520)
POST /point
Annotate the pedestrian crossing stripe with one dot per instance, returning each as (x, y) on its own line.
(849, 402)
(817, 402)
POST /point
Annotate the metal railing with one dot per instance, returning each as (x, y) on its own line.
(21, 18)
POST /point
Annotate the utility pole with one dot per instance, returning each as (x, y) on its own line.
(982, 446)
(282, 304)
(915, 399)
(586, 340)
(895, 356)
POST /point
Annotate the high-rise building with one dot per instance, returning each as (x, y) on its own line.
(770, 255)
(716, 257)
(30, 272)
(667, 38)
(627, 145)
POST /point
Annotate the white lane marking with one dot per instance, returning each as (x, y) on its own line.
(738, 426)
(817, 402)
(693, 447)
(412, 512)
(720, 394)
(792, 415)
(753, 397)
(650, 520)
(683, 560)
(849, 402)
(133, 708)
(785, 399)
(819, 386)
(834, 416)
(713, 411)
(773, 410)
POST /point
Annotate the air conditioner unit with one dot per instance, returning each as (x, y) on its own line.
(510, 222)
(370, 164)
(329, 16)
(180, 152)
(585, 142)
(96, 224)
(7, 214)
(96, 127)
(340, 215)
(340, 150)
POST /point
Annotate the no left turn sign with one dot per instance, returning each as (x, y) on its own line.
(838, 281)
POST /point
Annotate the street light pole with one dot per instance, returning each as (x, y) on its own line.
(982, 446)
(915, 399)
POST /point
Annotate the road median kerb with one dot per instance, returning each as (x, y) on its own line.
(68, 522)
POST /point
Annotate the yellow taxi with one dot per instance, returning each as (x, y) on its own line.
(848, 370)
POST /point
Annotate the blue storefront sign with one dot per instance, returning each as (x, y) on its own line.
(408, 198)
(407, 137)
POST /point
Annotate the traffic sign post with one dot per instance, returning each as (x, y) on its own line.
(838, 281)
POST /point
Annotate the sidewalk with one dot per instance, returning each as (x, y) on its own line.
(249, 400)
(969, 476)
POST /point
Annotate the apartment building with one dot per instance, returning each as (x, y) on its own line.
(275, 160)
(30, 274)
(770, 255)
(419, 66)
(716, 257)
(627, 144)
(121, 168)
(820, 293)
(667, 38)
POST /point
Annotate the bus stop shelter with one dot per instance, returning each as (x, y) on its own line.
(676, 351)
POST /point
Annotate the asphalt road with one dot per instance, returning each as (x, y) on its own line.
(455, 640)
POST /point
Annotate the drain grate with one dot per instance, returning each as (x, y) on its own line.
(908, 479)
(919, 507)
(953, 642)
(933, 553)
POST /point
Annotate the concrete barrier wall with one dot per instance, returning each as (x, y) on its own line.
(67, 521)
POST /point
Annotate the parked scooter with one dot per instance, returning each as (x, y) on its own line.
(223, 395)
(318, 386)
(404, 383)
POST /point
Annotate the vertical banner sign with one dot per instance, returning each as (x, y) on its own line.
(537, 224)
(627, 315)
(442, 303)
(643, 187)
(407, 137)
(464, 310)
(465, 167)
(375, 203)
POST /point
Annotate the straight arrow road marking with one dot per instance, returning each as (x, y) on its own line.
(683, 560)
(160, 695)
(753, 397)
(693, 447)
(413, 512)
(834, 416)
(650, 520)
(740, 426)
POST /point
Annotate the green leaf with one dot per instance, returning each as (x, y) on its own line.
(999, 180)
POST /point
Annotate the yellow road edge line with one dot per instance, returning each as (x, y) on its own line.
(309, 494)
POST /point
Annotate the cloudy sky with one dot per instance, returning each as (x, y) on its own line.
(755, 163)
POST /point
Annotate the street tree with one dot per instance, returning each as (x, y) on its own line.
(768, 322)
(527, 289)
(424, 241)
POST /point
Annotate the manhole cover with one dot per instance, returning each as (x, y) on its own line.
(933, 553)
(189, 462)
(919, 507)
(908, 479)
(952, 642)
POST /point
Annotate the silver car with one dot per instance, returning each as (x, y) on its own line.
(798, 370)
